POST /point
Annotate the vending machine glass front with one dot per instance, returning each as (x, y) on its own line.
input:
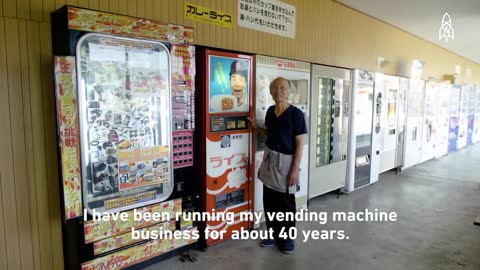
(125, 129)
(324, 122)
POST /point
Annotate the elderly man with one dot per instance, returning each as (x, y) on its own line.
(279, 172)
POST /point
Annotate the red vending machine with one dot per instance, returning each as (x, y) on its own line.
(124, 94)
(225, 92)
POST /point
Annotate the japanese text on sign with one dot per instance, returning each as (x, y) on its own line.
(199, 13)
(268, 16)
(67, 127)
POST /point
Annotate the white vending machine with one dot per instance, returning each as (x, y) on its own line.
(389, 87)
(430, 115)
(454, 116)
(328, 129)
(364, 133)
(413, 136)
(463, 118)
(443, 119)
(401, 121)
(472, 104)
(476, 125)
(298, 73)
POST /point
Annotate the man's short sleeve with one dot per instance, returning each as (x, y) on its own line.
(300, 125)
(268, 116)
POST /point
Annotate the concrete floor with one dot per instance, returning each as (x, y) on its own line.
(436, 203)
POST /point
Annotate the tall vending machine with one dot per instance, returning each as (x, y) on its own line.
(413, 135)
(463, 117)
(298, 73)
(364, 132)
(389, 86)
(472, 104)
(476, 125)
(443, 120)
(114, 105)
(453, 133)
(225, 83)
(401, 122)
(329, 129)
(430, 124)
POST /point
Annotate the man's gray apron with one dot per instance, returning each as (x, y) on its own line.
(274, 170)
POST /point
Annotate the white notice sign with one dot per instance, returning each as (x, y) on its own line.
(269, 16)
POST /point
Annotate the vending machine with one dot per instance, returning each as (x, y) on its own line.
(472, 103)
(430, 124)
(329, 129)
(298, 74)
(401, 122)
(389, 86)
(463, 117)
(114, 117)
(413, 135)
(476, 125)
(453, 133)
(443, 120)
(225, 156)
(364, 131)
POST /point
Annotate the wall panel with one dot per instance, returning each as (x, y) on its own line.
(72, 2)
(149, 8)
(60, 3)
(103, 5)
(132, 7)
(10, 8)
(34, 167)
(23, 9)
(51, 144)
(18, 139)
(4, 147)
(27, 115)
(3, 247)
(141, 9)
(39, 151)
(93, 4)
(82, 3)
(48, 7)
(123, 7)
(10, 218)
(113, 6)
(36, 10)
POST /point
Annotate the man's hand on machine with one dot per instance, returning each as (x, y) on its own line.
(253, 122)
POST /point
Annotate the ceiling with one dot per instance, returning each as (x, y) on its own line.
(423, 18)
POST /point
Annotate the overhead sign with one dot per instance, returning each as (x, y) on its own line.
(268, 16)
(203, 14)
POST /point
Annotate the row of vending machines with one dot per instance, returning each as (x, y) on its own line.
(441, 118)
(149, 123)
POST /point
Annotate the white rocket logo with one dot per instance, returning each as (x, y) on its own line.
(446, 30)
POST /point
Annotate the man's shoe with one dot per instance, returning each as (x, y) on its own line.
(288, 247)
(267, 243)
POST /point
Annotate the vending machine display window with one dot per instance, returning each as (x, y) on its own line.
(364, 114)
(124, 101)
(324, 122)
(298, 96)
